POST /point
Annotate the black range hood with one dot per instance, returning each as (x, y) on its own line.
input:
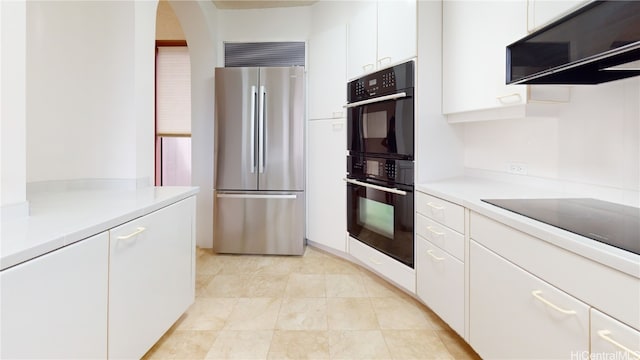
(597, 43)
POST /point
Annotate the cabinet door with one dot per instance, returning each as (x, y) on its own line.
(326, 191)
(515, 315)
(542, 12)
(151, 279)
(328, 60)
(475, 36)
(611, 339)
(396, 31)
(362, 39)
(327, 73)
(440, 283)
(55, 306)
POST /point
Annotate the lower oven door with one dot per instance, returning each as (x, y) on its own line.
(382, 218)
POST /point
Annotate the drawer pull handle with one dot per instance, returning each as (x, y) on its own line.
(536, 294)
(510, 99)
(430, 228)
(375, 261)
(430, 252)
(138, 231)
(604, 334)
(435, 206)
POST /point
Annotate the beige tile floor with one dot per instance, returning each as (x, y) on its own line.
(315, 306)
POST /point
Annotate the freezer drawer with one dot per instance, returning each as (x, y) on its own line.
(259, 223)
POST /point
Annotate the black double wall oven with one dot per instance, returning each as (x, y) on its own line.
(380, 161)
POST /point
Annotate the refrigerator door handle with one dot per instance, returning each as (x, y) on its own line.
(261, 135)
(254, 96)
(257, 196)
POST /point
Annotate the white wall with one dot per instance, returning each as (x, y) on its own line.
(270, 24)
(90, 90)
(439, 151)
(12, 104)
(198, 21)
(595, 140)
(144, 91)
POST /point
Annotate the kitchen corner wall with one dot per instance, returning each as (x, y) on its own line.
(595, 140)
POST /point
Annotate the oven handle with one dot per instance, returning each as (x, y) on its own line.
(378, 99)
(377, 187)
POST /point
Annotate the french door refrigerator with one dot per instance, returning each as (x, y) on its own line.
(259, 173)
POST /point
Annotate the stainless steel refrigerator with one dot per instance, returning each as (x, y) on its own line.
(259, 173)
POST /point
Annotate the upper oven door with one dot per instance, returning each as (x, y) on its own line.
(382, 126)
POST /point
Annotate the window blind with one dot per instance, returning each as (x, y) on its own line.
(173, 91)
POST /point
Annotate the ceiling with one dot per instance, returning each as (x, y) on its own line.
(259, 4)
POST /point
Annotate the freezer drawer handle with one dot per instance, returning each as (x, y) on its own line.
(256, 196)
(378, 99)
(138, 231)
(536, 294)
(604, 334)
(377, 187)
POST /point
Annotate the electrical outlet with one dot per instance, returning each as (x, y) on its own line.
(517, 168)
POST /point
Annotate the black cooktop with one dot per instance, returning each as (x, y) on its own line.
(613, 224)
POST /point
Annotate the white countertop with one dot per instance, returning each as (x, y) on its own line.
(58, 219)
(467, 191)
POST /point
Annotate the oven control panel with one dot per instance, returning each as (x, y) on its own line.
(397, 171)
(383, 82)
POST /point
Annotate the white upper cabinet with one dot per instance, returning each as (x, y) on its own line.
(396, 31)
(475, 36)
(380, 34)
(542, 12)
(327, 71)
(363, 38)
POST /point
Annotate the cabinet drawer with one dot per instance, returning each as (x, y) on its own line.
(515, 315)
(441, 236)
(442, 211)
(610, 339)
(440, 283)
(612, 291)
(384, 265)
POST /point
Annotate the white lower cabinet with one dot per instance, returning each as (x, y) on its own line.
(440, 283)
(150, 277)
(55, 306)
(326, 189)
(611, 339)
(514, 314)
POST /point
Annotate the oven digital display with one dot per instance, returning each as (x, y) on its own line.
(373, 82)
(373, 168)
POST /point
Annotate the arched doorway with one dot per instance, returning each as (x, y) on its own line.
(172, 101)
